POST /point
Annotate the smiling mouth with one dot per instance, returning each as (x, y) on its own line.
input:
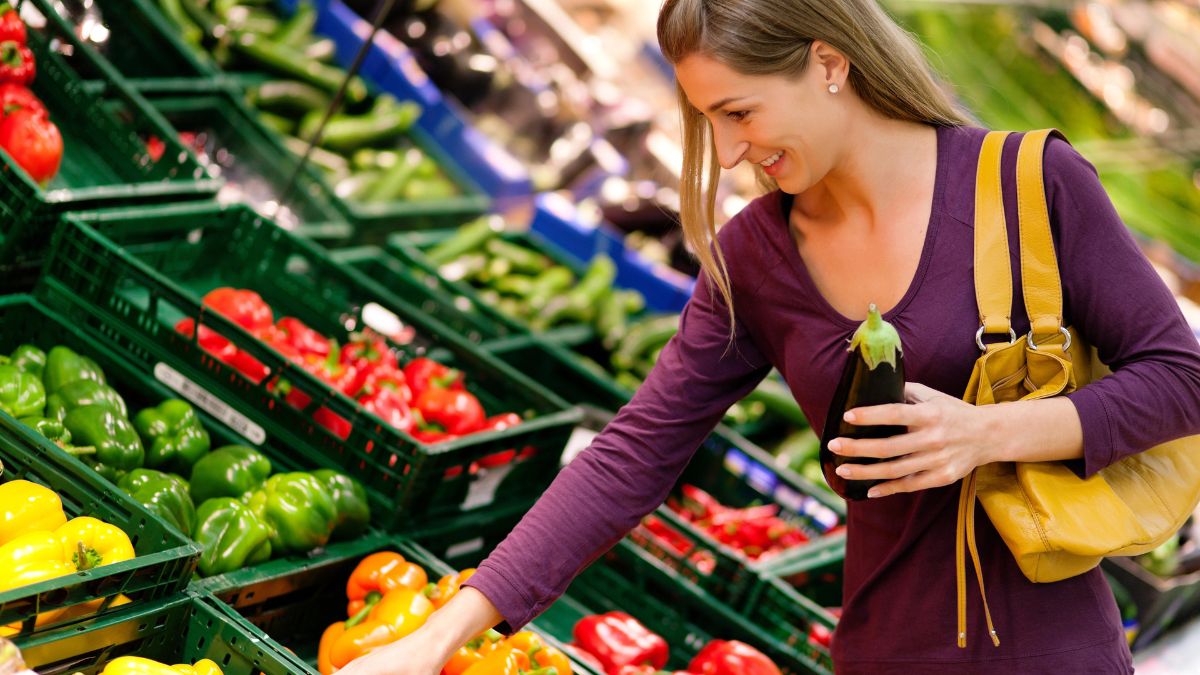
(772, 159)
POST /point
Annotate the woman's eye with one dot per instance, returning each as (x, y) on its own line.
(737, 115)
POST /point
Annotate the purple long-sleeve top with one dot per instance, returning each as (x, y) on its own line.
(899, 592)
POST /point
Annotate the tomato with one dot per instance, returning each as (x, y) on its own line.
(33, 142)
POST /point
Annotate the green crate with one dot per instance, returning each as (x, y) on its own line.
(738, 474)
(628, 579)
(254, 164)
(165, 559)
(105, 159)
(293, 602)
(792, 597)
(164, 259)
(578, 381)
(25, 320)
(142, 44)
(181, 629)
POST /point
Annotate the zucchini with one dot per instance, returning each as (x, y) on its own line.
(298, 27)
(873, 375)
(524, 261)
(346, 133)
(644, 337)
(288, 97)
(391, 182)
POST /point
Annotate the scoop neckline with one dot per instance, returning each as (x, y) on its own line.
(918, 278)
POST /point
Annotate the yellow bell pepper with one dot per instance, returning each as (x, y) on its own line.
(88, 542)
(201, 667)
(31, 572)
(29, 547)
(400, 612)
(28, 507)
(137, 665)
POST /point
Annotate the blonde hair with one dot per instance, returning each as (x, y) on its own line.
(773, 37)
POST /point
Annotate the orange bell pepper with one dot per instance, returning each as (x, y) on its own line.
(473, 652)
(448, 586)
(399, 613)
(503, 661)
(325, 646)
(379, 573)
(541, 655)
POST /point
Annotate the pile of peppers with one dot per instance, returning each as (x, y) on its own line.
(424, 398)
(229, 502)
(246, 515)
(621, 645)
(389, 597)
(26, 132)
(754, 531)
(38, 543)
(138, 665)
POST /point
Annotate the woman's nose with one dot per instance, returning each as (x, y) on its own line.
(730, 151)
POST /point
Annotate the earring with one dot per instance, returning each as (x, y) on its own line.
(833, 88)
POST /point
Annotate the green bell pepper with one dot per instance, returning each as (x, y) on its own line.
(64, 366)
(172, 435)
(165, 495)
(350, 500)
(231, 471)
(84, 392)
(55, 432)
(29, 359)
(299, 510)
(233, 536)
(21, 394)
(118, 448)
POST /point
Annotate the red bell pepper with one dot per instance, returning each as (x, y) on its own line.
(389, 405)
(368, 349)
(15, 96)
(16, 63)
(730, 657)
(423, 374)
(12, 28)
(382, 376)
(617, 640)
(244, 307)
(33, 141)
(456, 411)
(224, 350)
(294, 333)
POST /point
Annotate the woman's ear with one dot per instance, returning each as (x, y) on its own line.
(831, 64)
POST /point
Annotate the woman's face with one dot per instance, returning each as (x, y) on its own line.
(788, 125)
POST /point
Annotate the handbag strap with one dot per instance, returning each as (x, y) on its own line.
(1040, 281)
(1042, 291)
(993, 268)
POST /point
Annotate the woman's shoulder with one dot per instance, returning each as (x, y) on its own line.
(754, 234)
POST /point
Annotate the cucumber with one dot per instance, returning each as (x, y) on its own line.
(347, 133)
(644, 337)
(470, 237)
(523, 260)
(298, 27)
(873, 375)
(320, 49)
(288, 97)
(779, 401)
(335, 164)
(278, 123)
(291, 61)
(548, 284)
(392, 182)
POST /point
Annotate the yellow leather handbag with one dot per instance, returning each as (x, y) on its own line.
(1056, 524)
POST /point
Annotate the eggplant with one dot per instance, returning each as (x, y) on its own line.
(873, 375)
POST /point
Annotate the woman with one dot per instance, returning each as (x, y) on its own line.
(875, 171)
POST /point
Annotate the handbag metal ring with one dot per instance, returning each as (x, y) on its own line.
(1012, 337)
(1066, 344)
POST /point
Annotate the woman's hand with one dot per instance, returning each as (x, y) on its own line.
(947, 438)
(410, 655)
